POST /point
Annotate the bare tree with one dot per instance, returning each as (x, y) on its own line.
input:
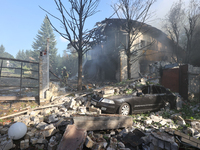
(173, 26)
(136, 13)
(193, 14)
(73, 22)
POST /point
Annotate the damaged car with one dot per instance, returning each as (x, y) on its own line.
(150, 98)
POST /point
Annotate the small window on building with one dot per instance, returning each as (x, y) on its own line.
(142, 43)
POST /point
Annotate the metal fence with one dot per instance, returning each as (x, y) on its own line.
(19, 79)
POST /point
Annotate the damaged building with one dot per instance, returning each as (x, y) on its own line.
(107, 59)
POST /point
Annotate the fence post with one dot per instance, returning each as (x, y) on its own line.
(1, 67)
(21, 80)
(44, 73)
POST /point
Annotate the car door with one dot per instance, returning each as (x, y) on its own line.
(157, 97)
(141, 102)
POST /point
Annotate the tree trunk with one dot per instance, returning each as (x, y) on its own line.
(129, 66)
(79, 88)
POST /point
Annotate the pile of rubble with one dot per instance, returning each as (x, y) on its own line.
(56, 125)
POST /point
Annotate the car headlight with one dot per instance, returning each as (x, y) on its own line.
(108, 101)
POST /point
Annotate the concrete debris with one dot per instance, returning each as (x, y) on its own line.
(85, 127)
(6, 144)
(91, 123)
(52, 118)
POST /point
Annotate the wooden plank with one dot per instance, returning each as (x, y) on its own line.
(189, 142)
(11, 98)
(73, 138)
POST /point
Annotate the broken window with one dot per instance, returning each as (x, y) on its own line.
(145, 90)
(156, 90)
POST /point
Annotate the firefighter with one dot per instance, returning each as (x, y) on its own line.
(65, 75)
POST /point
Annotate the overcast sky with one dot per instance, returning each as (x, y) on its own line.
(21, 20)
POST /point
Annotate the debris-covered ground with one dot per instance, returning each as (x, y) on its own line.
(70, 122)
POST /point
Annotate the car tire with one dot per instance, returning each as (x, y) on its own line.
(124, 109)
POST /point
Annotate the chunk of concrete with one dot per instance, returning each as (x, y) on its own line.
(49, 131)
(6, 145)
(91, 123)
(41, 125)
(33, 140)
(89, 143)
(73, 138)
(52, 145)
(53, 118)
(180, 121)
(148, 121)
(29, 135)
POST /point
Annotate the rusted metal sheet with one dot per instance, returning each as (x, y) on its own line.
(170, 79)
(91, 123)
(176, 79)
(73, 138)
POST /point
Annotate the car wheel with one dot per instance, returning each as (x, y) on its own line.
(124, 109)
